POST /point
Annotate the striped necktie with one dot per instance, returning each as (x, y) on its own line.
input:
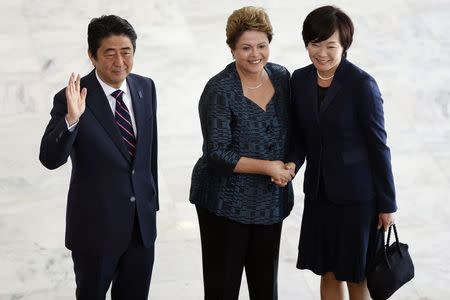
(123, 121)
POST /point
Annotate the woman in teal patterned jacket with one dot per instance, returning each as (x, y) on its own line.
(241, 186)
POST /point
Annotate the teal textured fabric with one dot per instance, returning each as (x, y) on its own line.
(233, 126)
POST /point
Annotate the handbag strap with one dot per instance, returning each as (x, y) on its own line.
(396, 239)
(388, 241)
(381, 235)
(385, 246)
(397, 243)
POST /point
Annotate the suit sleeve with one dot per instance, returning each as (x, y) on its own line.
(154, 159)
(216, 114)
(57, 140)
(372, 118)
(296, 136)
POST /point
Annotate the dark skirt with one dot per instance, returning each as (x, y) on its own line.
(337, 238)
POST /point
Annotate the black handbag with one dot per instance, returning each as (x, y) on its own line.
(390, 268)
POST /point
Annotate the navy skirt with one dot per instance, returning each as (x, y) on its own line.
(337, 238)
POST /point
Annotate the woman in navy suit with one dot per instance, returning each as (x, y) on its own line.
(339, 129)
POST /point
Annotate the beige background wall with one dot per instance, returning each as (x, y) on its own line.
(404, 44)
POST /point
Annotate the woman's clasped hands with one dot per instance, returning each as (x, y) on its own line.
(282, 173)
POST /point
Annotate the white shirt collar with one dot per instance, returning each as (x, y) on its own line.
(109, 89)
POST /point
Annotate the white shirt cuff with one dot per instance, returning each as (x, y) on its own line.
(71, 128)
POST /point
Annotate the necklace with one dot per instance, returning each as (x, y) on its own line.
(254, 87)
(258, 85)
(241, 75)
(324, 78)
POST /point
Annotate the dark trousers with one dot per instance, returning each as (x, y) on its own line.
(129, 272)
(228, 247)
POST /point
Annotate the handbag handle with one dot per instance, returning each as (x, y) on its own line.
(387, 244)
(396, 239)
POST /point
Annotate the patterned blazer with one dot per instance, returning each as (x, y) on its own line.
(233, 126)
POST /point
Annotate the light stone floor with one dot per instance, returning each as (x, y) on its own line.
(404, 44)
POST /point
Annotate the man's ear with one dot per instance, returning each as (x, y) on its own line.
(91, 57)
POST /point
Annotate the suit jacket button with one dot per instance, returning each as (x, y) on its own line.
(132, 172)
(132, 199)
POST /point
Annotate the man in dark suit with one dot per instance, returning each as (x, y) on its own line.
(106, 123)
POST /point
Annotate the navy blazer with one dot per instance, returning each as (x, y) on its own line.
(107, 188)
(345, 140)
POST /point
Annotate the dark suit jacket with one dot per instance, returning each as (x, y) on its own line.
(345, 140)
(107, 188)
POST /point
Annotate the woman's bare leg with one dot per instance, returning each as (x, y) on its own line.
(331, 288)
(358, 291)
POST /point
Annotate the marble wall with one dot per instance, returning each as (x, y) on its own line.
(404, 44)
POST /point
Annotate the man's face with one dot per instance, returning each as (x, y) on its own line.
(114, 59)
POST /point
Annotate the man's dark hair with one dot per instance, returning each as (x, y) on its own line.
(106, 26)
(322, 22)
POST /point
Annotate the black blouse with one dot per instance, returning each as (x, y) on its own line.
(321, 94)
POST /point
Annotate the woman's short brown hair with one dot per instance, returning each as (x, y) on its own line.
(322, 22)
(247, 18)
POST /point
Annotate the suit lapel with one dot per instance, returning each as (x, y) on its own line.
(137, 98)
(332, 91)
(98, 104)
(335, 86)
(311, 92)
